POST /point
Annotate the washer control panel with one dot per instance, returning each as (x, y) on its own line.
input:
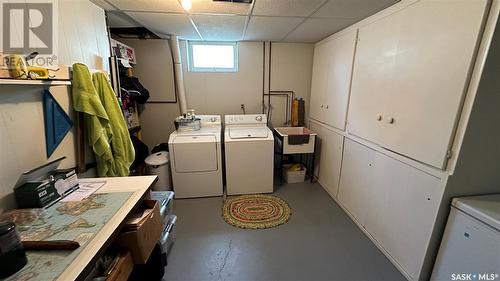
(246, 119)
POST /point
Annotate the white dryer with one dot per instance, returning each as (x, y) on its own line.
(196, 159)
(249, 154)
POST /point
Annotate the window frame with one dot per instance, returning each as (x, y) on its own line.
(192, 68)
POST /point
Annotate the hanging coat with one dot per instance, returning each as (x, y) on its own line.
(121, 144)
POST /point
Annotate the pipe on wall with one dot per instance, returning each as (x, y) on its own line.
(179, 77)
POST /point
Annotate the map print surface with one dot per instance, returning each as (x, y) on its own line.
(78, 221)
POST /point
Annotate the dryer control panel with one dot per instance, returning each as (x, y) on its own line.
(210, 120)
(247, 119)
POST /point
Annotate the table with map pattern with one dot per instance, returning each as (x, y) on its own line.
(76, 220)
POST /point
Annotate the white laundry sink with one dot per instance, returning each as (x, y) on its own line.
(285, 134)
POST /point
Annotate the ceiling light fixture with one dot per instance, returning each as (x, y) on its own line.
(186, 4)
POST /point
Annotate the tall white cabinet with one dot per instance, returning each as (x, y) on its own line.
(411, 72)
(331, 82)
(390, 97)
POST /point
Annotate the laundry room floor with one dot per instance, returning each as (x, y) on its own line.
(319, 242)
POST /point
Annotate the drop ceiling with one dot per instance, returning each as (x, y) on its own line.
(263, 20)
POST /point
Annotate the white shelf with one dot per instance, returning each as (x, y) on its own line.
(34, 82)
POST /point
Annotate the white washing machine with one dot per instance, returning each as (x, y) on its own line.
(249, 154)
(196, 159)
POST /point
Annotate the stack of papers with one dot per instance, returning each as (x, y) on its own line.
(84, 190)
(137, 219)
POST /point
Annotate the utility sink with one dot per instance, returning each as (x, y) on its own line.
(295, 140)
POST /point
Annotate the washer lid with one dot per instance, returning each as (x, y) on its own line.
(245, 133)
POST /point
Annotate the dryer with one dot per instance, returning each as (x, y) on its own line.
(249, 154)
(196, 159)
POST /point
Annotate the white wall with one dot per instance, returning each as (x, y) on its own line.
(22, 135)
(291, 69)
(223, 93)
(218, 93)
(82, 38)
(157, 122)
(83, 35)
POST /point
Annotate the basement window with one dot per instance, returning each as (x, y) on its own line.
(212, 56)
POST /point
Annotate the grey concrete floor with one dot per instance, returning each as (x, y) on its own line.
(319, 242)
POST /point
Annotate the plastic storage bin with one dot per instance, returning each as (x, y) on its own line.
(294, 176)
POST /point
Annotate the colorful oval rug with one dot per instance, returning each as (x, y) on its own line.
(256, 211)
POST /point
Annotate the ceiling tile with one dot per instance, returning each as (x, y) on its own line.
(119, 19)
(270, 28)
(163, 24)
(313, 29)
(103, 4)
(168, 6)
(359, 9)
(290, 8)
(210, 7)
(219, 27)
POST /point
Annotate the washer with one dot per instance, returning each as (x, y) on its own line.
(196, 159)
(249, 154)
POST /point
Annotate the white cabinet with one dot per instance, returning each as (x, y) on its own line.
(410, 75)
(356, 183)
(329, 157)
(86, 43)
(331, 81)
(396, 203)
(318, 82)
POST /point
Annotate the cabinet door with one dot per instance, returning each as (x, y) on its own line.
(396, 203)
(338, 81)
(356, 181)
(404, 206)
(319, 130)
(330, 163)
(432, 75)
(370, 82)
(328, 157)
(413, 67)
(318, 83)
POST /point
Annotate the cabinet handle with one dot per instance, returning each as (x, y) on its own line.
(327, 106)
(322, 106)
(378, 117)
(390, 120)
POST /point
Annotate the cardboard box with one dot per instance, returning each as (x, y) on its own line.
(123, 268)
(140, 238)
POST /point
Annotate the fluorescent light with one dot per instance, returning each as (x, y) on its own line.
(186, 4)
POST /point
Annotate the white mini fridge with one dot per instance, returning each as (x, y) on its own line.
(471, 242)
